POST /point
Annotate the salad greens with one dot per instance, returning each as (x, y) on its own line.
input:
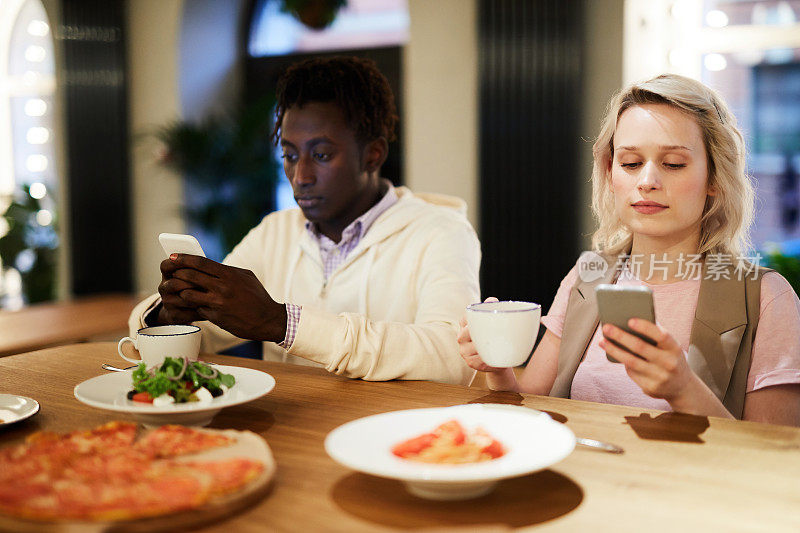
(180, 378)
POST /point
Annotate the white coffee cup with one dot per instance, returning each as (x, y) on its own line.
(157, 342)
(504, 332)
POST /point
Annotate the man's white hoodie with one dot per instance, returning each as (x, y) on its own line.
(390, 311)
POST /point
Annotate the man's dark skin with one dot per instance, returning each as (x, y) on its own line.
(335, 180)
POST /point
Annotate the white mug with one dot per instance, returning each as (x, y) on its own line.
(157, 342)
(504, 332)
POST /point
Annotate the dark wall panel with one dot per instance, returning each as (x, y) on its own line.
(91, 34)
(530, 86)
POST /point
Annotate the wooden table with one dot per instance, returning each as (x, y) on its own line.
(678, 472)
(50, 324)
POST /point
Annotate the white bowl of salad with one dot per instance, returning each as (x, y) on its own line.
(177, 392)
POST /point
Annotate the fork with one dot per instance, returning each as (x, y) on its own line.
(106, 366)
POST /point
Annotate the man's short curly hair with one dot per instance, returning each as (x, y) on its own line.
(353, 84)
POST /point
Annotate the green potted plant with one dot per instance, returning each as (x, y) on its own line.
(787, 266)
(229, 166)
(316, 14)
(30, 244)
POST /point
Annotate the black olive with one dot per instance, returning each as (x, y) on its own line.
(130, 394)
(216, 392)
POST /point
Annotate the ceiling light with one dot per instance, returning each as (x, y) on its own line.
(35, 107)
(36, 163)
(35, 54)
(717, 19)
(44, 217)
(38, 190)
(38, 28)
(715, 62)
(37, 135)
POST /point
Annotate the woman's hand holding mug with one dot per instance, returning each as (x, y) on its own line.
(505, 333)
(467, 348)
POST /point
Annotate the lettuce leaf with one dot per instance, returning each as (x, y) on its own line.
(159, 383)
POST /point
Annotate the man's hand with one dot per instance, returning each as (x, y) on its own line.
(173, 309)
(230, 297)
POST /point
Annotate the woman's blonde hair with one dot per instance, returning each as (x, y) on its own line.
(727, 215)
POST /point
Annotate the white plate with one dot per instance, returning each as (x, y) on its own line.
(109, 392)
(533, 441)
(14, 408)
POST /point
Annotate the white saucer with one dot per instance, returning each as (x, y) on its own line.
(14, 408)
(109, 392)
(533, 441)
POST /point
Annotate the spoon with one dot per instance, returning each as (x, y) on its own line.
(599, 445)
(589, 443)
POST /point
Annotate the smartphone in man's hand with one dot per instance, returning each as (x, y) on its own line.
(619, 303)
(175, 243)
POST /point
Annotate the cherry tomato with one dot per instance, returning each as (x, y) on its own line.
(143, 397)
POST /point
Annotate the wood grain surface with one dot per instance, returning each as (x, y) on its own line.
(678, 472)
(49, 324)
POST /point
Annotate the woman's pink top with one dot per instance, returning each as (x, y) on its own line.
(776, 347)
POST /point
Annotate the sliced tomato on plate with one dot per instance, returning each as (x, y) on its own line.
(143, 397)
(453, 431)
(494, 450)
(413, 446)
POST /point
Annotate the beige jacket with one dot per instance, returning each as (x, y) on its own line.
(720, 344)
(390, 311)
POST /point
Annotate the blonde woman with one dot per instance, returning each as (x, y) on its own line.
(674, 206)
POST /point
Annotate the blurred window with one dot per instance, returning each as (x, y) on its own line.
(756, 66)
(361, 27)
(27, 87)
(358, 24)
(748, 50)
(27, 150)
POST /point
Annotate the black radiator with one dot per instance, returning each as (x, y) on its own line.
(91, 34)
(530, 87)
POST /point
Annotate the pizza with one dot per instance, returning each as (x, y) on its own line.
(114, 473)
(171, 441)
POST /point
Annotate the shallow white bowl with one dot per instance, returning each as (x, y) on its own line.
(109, 392)
(533, 441)
(14, 408)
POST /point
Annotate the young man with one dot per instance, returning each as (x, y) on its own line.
(373, 278)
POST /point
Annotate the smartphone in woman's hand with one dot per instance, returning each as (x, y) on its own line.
(619, 303)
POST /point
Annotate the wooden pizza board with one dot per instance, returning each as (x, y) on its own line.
(247, 444)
